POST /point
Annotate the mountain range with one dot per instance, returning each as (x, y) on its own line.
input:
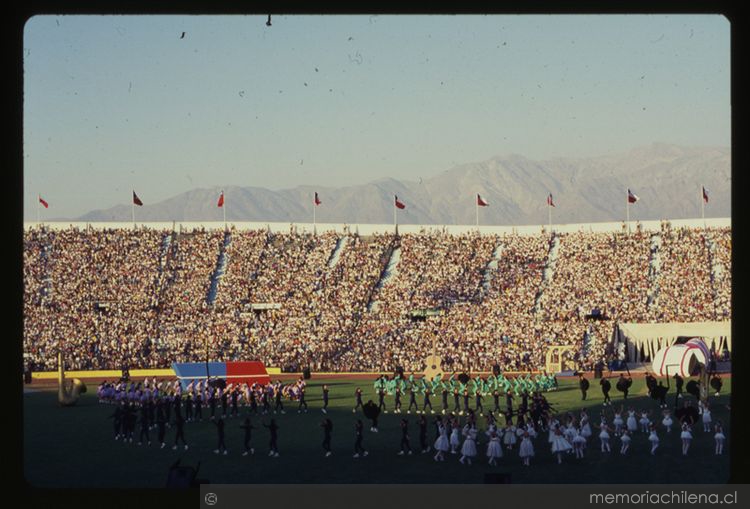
(666, 178)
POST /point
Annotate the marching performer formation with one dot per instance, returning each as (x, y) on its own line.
(467, 433)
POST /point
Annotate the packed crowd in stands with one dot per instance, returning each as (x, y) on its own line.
(147, 298)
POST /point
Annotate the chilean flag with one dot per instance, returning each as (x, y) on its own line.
(632, 198)
(221, 200)
(705, 194)
(398, 203)
(44, 203)
(136, 200)
(550, 203)
(481, 202)
(317, 200)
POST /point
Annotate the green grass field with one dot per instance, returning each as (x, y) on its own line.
(74, 447)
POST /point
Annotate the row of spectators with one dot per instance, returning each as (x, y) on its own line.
(140, 297)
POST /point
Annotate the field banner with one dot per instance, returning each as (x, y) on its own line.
(232, 372)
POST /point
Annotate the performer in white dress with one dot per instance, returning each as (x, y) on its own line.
(667, 420)
(654, 439)
(469, 449)
(579, 444)
(618, 422)
(645, 421)
(686, 437)
(719, 437)
(560, 445)
(625, 440)
(442, 445)
(455, 441)
(632, 423)
(604, 436)
(526, 449)
(494, 449)
(509, 436)
(706, 418)
(585, 427)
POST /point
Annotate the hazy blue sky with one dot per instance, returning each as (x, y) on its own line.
(113, 103)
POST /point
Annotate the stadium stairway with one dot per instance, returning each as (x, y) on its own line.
(393, 254)
(221, 265)
(654, 269)
(336, 253)
(549, 271)
(491, 268)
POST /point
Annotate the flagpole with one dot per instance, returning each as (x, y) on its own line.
(549, 217)
(39, 197)
(224, 208)
(315, 205)
(476, 206)
(132, 205)
(627, 209)
(703, 208)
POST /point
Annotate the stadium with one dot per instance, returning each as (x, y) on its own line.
(495, 328)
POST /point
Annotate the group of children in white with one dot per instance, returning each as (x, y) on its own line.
(567, 434)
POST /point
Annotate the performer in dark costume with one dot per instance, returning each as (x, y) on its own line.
(221, 448)
(716, 384)
(466, 401)
(327, 426)
(623, 385)
(660, 392)
(248, 427)
(445, 400)
(279, 405)
(211, 403)
(405, 446)
(302, 402)
(117, 420)
(264, 400)
(180, 433)
(224, 400)
(457, 408)
(189, 407)
(496, 399)
(693, 388)
(412, 400)
(273, 444)
(325, 399)
(358, 398)
(359, 450)
(381, 400)
(606, 386)
(235, 395)
(144, 427)
(478, 403)
(371, 411)
(509, 404)
(397, 401)
(423, 434)
(427, 402)
(584, 385)
(198, 407)
(253, 402)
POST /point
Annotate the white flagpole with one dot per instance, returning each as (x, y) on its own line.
(549, 216)
(395, 209)
(132, 205)
(39, 197)
(224, 208)
(703, 208)
(627, 208)
(476, 206)
(315, 205)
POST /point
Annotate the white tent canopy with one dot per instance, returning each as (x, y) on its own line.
(654, 336)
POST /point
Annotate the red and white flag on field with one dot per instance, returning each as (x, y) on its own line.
(705, 195)
(136, 200)
(398, 203)
(44, 203)
(221, 200)
(481, 202)
(550, 203)
(317, 200)
(632, 198)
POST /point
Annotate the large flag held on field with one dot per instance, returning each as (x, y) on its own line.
(632, 198)
(481, 202)
(399, 204)
(44, 203)
(136, 200)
